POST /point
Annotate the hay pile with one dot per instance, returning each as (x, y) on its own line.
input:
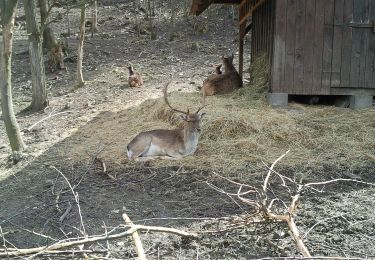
(239, 130)
(259, 78)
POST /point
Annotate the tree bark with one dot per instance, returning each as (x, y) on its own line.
(94, 18)
(8, 8)
(38, 78)
(80, 81)
(49, 39)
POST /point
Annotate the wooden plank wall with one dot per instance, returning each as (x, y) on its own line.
(262, 29)
(317, 52)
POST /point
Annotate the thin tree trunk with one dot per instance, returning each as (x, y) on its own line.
(49, 39)
(11, 125)
(68, 18)
(94, 18)
(38, 78)
(80, 81)
(149, 16)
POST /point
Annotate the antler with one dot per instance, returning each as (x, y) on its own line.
(199, 109)
(167, 102)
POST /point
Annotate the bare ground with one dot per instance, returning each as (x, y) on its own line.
(174, 194)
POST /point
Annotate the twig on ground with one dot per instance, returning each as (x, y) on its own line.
(76, 197)
(4, 243)
(270, 170)
(106, 233)
(104, 167)
(39, 234)
(336, 180)
(319, 222)
(137, 240)
(63, 216)
(49, 116)
(90, 239)
(93, 159)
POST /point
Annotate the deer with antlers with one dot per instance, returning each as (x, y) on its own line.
(165, 143)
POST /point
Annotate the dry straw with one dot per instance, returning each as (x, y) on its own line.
(239, 130)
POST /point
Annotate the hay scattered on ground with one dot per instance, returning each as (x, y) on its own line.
(239, 130)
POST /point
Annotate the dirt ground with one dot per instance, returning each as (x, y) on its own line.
(335, 220)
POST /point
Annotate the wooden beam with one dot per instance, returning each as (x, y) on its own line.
(253, 8)
(240, 56)
(199, 6)
(248, 28)
(233, 2)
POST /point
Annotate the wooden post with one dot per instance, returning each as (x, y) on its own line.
(241, 36)
(240, 55)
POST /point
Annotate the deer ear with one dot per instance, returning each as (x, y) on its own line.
(201, 115)
(182, 117)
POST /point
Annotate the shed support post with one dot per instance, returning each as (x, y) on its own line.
(360, 101)
(277, 99)
(240, 56)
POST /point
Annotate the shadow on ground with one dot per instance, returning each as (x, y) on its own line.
(35, 199)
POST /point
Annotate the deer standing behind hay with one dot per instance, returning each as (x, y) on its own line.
(135, 79)
(168, 144)
(222, 83)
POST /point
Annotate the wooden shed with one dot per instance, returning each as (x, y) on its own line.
(315, 47)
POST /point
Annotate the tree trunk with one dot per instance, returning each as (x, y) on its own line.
(49, 39)
(94, 18)
(149, 16)
(80, 81)
(38, 78)
(11, 125)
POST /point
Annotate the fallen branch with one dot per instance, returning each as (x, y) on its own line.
(265, 205)
(270, 170)
(104, 167)
(137, 240)
(49, 116)
(66, 243)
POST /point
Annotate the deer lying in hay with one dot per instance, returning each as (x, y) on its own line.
(135, 79)
(222, 83)
(168, 144)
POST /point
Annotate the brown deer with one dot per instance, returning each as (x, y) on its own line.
(135, 79)
(222, 83)
(168, 144)
(56, 58)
